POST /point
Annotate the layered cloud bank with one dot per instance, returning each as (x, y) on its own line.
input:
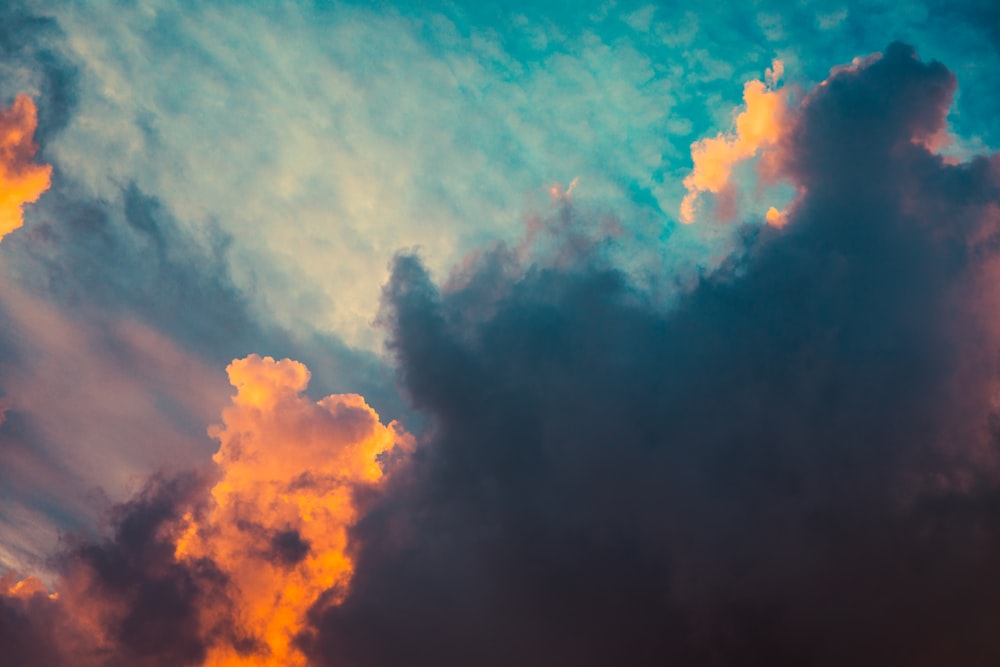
(803, 447)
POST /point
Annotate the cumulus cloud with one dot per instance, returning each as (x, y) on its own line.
(796, 465)
(219, 567)
(277, 528)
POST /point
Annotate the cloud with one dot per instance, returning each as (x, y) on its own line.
(795, 465)
(277, 528)
(801, 447)
(21, 180)
(125, 599)
(757, 127)
(381, 130)
(118, 295)
(95, 402)
(431, 126)
(219, 567)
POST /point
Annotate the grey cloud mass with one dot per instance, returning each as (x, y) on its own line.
(795, 466)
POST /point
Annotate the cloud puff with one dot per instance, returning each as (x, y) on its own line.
(796, 465)
(290, 470)
(21, 180)
(760, 125)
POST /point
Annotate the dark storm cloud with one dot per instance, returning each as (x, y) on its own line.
(26, 631)
(793, 466)
(126, 599)
(154, 599)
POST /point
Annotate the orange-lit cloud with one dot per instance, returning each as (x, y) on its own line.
(758, 126)
(10, 586)
(558, 194)
(21, 180)
(289, 469)
(237, 563)
(776, 218)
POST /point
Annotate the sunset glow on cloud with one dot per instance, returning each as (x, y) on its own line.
(21, 180)
(277, 522)
(260, 548)
(339, 335)
(757, 127)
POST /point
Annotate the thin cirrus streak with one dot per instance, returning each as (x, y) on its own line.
(21, 180)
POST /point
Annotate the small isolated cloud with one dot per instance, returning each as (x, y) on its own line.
(831, 20)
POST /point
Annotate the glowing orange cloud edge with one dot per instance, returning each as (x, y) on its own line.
(275, 524)
(280, 511)
(21, 180)
(757, 127)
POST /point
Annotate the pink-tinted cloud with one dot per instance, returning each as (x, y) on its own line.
(93, 404)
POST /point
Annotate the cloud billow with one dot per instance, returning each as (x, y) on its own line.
(796, 465)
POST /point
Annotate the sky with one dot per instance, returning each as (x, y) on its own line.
(453, 333)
